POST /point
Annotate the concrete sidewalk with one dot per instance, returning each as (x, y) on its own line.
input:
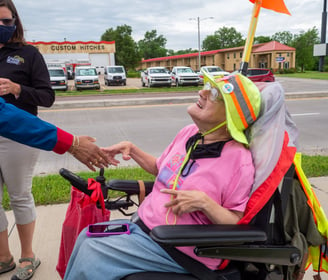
(48, 233)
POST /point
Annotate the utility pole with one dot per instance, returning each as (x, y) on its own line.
(323, 34)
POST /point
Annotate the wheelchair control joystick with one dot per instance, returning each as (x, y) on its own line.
(102, 180)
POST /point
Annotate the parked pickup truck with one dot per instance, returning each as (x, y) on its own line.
(156, 76)
(183, 75)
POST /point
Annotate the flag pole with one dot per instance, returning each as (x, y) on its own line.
(250, 37)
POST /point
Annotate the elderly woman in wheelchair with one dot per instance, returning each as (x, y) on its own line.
(204, 176)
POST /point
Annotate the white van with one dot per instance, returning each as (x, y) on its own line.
(58, 78)
(115, 75)
(86, 77)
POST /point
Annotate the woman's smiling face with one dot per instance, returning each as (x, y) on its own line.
(209, 110)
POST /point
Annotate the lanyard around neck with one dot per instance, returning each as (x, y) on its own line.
(185, 160)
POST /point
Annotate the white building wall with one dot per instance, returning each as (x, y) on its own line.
(99, 60)
(66, 57)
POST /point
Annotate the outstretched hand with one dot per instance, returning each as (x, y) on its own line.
(123, 148)
(84, 150)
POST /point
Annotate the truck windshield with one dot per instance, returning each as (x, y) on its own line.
(156, 71)
(185, 70)
(115, 70)
(86, 72)
(56, 73)
(214, 69)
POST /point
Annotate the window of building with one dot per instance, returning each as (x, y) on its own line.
(228, 55)
(234, 55)
(286, 65)
(241, 54)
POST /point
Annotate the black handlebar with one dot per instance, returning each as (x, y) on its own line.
(129, 187)
(75, 180)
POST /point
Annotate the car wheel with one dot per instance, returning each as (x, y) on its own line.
(142, 83)
(106, 83)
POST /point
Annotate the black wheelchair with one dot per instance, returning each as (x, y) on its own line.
(256, 251)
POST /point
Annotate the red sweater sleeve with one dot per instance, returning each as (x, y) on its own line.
(64, 141)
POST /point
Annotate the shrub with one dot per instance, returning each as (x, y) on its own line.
(133, 74)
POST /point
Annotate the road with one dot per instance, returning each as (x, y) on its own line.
(152, 127)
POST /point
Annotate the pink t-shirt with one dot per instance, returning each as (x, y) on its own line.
(226, 179)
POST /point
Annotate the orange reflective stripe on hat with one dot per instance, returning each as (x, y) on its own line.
(243, 91)
(241, 101)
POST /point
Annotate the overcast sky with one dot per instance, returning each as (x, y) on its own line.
(87, 20)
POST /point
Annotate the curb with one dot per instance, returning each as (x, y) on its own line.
(122, 102)
(306, 94)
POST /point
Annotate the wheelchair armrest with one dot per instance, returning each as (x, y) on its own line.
(233, 242)
(129, 186)
(207, 235)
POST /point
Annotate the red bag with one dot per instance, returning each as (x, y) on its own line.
(82, 211)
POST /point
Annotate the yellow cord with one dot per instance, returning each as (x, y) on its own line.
(185, 160)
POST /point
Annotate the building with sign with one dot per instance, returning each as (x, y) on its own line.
(272, 55)
(98, 54)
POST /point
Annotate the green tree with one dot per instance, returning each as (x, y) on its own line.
(223, 38)
(210, 43)
(261, 39)
(152, 45)
(284, 37)
(303, 43)
(126, 48)
(172, 52)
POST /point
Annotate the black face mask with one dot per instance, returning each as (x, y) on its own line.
(6, 32)
(212, 150)
(204, 151)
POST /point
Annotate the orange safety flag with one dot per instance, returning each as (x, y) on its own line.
(275, 5)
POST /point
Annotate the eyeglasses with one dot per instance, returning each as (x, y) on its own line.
(214, 92)
(8, 21)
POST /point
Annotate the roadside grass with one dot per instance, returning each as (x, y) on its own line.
(121, 91)
(54, 189)
(306, 75)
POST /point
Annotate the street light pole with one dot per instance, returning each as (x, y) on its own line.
(198, 26)
(323, 34)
